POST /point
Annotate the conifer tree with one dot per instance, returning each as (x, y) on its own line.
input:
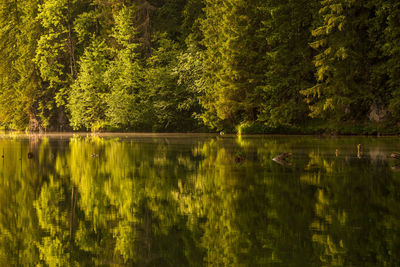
(19, 80)
(233, 66)
(391, 50)
(342, 65)
(87, 100)
(289, 68)
(124, 74)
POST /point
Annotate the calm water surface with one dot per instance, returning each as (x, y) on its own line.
(198, 200)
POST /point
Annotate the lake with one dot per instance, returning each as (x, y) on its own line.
(198, 200)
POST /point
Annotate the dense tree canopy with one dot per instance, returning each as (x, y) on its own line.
(199, 65)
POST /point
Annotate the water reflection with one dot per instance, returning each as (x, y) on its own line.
(176, 201)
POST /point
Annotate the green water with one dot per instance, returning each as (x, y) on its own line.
(198, 200)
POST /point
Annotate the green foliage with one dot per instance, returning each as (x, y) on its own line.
(171, 103)
(87, 97)
(391, 50)
(124, 74)
(343, 90)
(232, 66)
(19, 81)
(288, 59)
(55, 57)
(115, 89)
(190, 65)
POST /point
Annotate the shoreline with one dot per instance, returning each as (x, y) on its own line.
(180, 134)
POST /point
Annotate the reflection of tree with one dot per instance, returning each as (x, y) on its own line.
(250, 214)
(98, 201)
(125, 195)
(354, 202)
(19, 186)
(53, 220)
(208, 203)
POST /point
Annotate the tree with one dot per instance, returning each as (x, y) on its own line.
(171, 104)
(289, 68)
(233, 68)
(56, 57)
(19, 78)
(125, 73)
(87, 100)
(343, 91)
(391, 50)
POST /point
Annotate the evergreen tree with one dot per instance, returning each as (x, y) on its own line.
(164, 64)
(124, 74)
(193, 13)
(391, 50)
(289, 67)
(232, 61)
(19, 79)
(343, 91)
(87, 100)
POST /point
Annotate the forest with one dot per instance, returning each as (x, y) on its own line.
(246, 66)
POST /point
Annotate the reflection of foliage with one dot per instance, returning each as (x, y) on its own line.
(54, 247)
(351, 210)
(173, 202)
(243, 209)
(19, 185)
(125, 196)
